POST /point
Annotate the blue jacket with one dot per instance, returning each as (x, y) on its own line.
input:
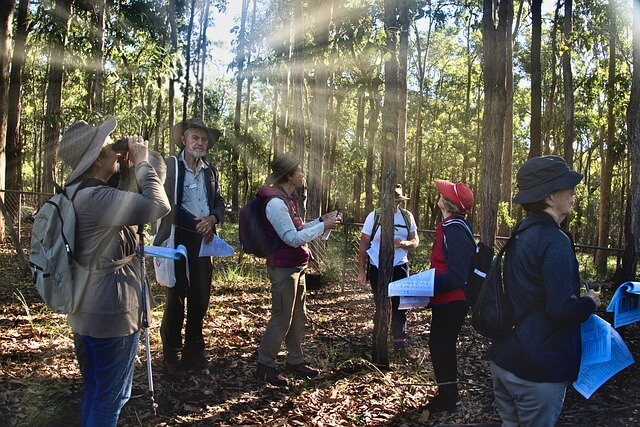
(543, 283)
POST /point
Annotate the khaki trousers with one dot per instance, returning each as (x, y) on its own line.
(288, 316)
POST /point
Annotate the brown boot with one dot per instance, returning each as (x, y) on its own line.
(270, 375)
(175, 371)
(303, 370)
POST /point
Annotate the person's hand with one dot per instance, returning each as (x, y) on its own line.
(331, 220)
(205, 226)
(138, 149)
(398, 243)
(594, 296)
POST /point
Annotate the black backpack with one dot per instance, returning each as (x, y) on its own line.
(480, 265)
(493, 315)
(252, 230)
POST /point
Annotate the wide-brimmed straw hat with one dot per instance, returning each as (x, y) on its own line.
(281, 166)
(397, 193)
(540, 176)
(457, 193)
(81, 144)
(180, 128)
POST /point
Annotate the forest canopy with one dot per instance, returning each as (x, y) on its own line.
(453, 90)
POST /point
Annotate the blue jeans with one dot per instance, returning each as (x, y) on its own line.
(106, 365)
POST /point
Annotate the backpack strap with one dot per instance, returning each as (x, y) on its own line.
(377, 221)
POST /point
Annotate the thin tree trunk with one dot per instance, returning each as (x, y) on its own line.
(237, 137)
(372, 130)
(172, 79)
(568, 84)
(495, 39)
(298, 81)
(202, 54)
(536, 79)
(315, 177)
(187, 65)
(633, 120)
(14, 109)
(507, 152)
(403, 49)
(608, 152)
(62, 15)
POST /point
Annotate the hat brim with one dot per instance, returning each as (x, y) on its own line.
(91, 154)
(540, 192)
(180, 127)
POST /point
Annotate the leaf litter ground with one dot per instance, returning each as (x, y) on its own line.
(42, 384)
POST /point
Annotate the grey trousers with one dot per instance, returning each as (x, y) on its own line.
(526, 403)
(288, 316)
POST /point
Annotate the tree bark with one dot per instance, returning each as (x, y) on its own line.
(507, 152)
(633, 120)
(298, 81)
(62, 15)
(14, 109)
(567, 75)
(187, 66)
(608, 152)
(315, 177)
(403, 50)
(172, 80)
(496, 35)
(389, 140)
(237, 137)
(536, 79)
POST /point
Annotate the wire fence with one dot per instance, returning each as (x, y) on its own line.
(334, 260)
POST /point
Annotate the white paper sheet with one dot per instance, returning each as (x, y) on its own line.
(417, 285)
(216, 247)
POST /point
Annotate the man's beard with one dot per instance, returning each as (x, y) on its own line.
(197, 153)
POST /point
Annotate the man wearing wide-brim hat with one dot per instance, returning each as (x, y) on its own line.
(405, 237)
(197, 205)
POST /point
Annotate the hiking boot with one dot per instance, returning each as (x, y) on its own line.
(438, 404)
(270, 375)
(303, 370)
(401, 350)
(194, 361)
(175, 371)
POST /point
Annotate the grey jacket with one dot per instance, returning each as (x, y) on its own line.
(111, 306)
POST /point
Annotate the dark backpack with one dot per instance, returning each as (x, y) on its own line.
(252, 230)
(480, 265)
(493, 315)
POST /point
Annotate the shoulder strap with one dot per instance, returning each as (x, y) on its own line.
(179, 184)
(406, 217)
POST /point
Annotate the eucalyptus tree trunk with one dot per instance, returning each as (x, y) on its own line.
(187, 66)
(202, 55)
(372, 130)
(547, 123)
(536, 80)
(14, 108)
(172, 80)
(389, 141)
(237, 137)
(633, 121)
(6, 18)
(567, 75)
(496, 35)
(298, 80)
(507, 152)
(403, 49)
(58, 41)
(608, 152)
(357, 185)
(315, 176)
(95, 92)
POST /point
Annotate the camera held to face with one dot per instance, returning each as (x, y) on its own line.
(121, 146)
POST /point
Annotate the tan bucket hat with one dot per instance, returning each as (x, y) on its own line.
(81, 144)
(179, 128)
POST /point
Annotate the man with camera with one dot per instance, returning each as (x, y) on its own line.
(195, 210)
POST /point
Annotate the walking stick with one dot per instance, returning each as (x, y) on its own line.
(145, 318)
